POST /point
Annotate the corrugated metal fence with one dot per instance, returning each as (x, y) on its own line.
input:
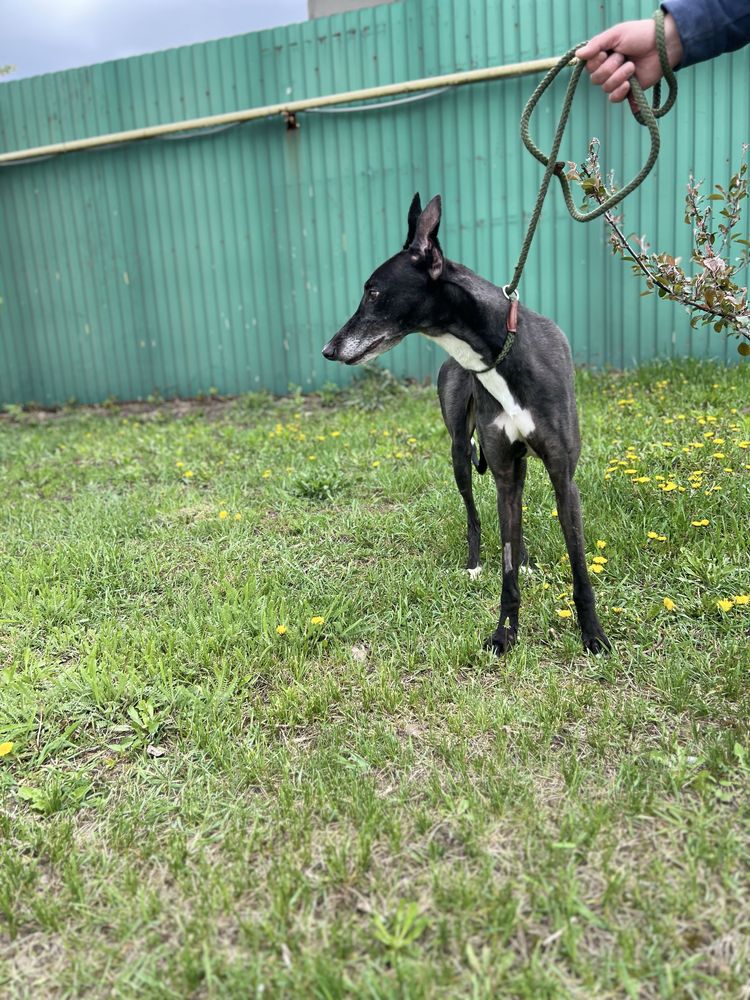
(228, 260)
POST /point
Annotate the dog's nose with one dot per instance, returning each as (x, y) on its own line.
(329, 351)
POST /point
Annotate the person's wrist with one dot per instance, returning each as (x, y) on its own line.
(673, 41)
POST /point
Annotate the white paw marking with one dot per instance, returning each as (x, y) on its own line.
(527, 570)
(475, 572)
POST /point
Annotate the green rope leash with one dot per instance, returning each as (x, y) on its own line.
(644, 115)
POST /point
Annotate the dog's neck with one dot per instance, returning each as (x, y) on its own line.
(469, 324)
(471, 310)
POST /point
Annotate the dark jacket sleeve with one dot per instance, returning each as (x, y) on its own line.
(707, 28)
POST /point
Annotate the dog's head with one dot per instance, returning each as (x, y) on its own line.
(396, 295)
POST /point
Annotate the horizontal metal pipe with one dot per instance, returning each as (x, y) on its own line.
(288, 108)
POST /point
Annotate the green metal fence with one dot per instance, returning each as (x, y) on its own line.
(227, 260)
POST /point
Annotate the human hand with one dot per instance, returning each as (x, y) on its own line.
(628, 49)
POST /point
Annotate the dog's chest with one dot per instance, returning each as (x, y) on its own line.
(514, 421)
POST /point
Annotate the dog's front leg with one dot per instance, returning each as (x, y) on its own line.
(509, 483)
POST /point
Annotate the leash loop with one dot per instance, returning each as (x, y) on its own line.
(645, 115)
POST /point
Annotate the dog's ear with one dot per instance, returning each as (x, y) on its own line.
(424, 244)
(415, 210)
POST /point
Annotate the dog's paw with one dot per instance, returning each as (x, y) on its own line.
(596, 642)
(474, 572)
(501, 640)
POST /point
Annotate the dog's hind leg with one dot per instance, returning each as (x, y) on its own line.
(461, 455)
(509, 482)
(456, 395)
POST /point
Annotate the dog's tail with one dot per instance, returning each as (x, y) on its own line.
(478, 459)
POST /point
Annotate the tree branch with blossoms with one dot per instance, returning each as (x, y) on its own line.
(711, 294)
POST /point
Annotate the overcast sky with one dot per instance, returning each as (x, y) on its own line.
(42, 36)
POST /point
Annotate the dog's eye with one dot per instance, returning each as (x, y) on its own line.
(372, 294)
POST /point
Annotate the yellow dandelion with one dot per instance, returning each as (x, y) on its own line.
(600, 560)
(335, 434)
(668, 487)
(311, 458)
(553, 513)
(700, 524)
(266, 474)
(596, 568)
(669, 604)
(179, 464)
(223, 514)
(601, 544)
(565, 612)
(719, 454)
(375, 464)
(724, 605)
(281, 630)
(187, 474)
(5, 748)
(238, 517)
(742, 599)
(657, 537)
(317, 620)
(618, 611)
(642, 479)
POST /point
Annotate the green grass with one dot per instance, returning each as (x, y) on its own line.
(371, 806)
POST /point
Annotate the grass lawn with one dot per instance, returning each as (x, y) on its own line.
(258, 750)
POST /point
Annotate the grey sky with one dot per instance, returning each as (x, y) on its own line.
(42, 36)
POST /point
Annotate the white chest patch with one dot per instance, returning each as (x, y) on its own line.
(514, 420)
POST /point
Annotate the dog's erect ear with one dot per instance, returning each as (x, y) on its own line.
(415, 210)
(425, 242)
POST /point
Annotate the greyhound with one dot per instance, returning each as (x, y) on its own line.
(520, 401)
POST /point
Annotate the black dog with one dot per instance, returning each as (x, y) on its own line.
(523, 404)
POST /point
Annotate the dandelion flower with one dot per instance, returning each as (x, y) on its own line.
(281, 630)
(238, 517)
(657, 537)
(266, 474)
(5, 748)
(700, 524)
(223, 514)
(742, 599)
(669, 604)
(724, 605)
(601, 544)
(601, 560)
(187, 474)
(317, 620)
(565, 612)
(596, 568)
